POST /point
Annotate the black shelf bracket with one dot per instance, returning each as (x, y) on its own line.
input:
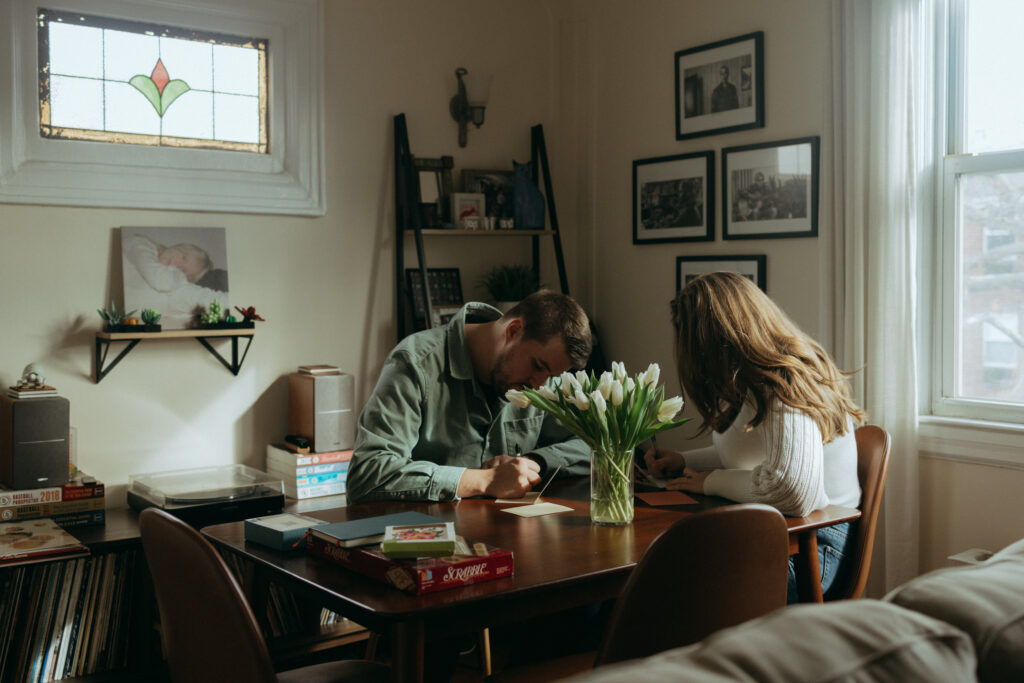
(236, 363)
(102, 347)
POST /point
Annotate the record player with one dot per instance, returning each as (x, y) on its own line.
(208, 495)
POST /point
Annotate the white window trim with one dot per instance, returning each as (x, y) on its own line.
(289, 180)
(977, 442)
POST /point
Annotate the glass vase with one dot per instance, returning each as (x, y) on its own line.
(611, 487)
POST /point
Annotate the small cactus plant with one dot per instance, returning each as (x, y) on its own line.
(213, 313)
(150, 316)
(112, 316)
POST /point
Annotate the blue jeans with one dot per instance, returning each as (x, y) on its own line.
(835, 545)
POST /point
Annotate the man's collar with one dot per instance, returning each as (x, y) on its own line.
(458, 347)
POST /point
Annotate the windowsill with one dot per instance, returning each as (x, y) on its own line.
(998, 444)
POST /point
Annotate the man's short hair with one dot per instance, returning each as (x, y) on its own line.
(546, 313)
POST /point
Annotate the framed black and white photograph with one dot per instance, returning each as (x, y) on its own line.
(770, 190)
(674, 198)
(752, 267)
(720, 87)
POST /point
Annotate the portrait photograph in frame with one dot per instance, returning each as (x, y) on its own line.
(497, 187)
(770, 190)
(674, 198)
(752, 267)
(720, 87)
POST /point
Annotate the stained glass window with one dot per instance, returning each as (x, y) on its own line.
(126, 82)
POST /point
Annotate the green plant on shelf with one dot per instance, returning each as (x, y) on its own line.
(150, 316)
(112, 316)
(510, 282)
(213, 314)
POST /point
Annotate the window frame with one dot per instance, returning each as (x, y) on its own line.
(288, 180)
(947, 280)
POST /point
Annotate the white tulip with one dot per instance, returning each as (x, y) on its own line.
(669, 408)
(616, 393)
(605, 385)
(630, 385)
(518, 398)
(651, 375)
(581, 401)
(598, 400)
(546, 392)
(582, 378)
(567, 383)
(618, 370)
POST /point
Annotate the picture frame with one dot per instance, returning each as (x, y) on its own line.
(434, 190)
(674, 198)
(445, 294)
(468, 210)
(770, 189)
(498, 189)
(752, 266)
(720, 86)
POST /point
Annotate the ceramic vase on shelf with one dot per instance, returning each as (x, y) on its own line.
(611, 487)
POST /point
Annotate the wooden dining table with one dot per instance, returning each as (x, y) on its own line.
(561, 561)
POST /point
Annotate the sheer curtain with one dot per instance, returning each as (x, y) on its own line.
(879, 139)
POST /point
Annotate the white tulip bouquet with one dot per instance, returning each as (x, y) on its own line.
(612, 414)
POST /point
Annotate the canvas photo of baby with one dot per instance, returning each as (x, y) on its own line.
(176, 271)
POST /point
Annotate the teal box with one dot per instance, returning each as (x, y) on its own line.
(280, 532)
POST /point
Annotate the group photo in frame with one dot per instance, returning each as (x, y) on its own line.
(752, 267)
(720, 87)
(674, 198)
(770, 189)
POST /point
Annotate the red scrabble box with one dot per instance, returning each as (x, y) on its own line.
(478, 562)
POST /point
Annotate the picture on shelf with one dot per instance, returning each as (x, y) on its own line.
(175, 271)
(468, 210)
(445, 295)
(497, 187)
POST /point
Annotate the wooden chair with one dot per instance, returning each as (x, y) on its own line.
(706, 572)
(873, 448)
(209, 630)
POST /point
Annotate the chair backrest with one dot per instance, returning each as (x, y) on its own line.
(873, 446)
(209, 630)
(710, 570)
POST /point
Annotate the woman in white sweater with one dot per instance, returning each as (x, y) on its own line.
(779, 409)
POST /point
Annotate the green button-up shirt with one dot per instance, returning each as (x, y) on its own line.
(429, 419)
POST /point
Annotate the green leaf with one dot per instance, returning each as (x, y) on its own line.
(172, 91)
(146, 86)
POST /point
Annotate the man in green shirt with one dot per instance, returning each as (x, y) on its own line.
(438, 427)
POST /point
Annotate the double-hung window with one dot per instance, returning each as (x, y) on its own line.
(978, 359)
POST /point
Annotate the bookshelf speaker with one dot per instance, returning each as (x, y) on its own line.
(320, 408)
(34, 449)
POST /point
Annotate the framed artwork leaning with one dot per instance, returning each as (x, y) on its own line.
(674, 198)
(770, 190)
(720, 87)
(445, 295)
(752, 267)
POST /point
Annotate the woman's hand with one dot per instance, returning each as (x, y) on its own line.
(692, 481)
(663, 463)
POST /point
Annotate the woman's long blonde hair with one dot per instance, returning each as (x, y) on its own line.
(733, 342)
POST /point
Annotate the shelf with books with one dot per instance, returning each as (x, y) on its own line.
(203, 336)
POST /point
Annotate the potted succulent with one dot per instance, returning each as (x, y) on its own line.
(507, 284)
(118, 321)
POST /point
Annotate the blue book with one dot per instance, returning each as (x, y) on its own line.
(370, 530)
(280, 532)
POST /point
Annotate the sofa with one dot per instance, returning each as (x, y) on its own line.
(957, 624)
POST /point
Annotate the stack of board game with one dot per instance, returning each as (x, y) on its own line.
(80, 502)
(308, 475)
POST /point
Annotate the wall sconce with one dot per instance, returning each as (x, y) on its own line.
(470, 101)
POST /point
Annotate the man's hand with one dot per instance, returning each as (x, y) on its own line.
(692, 481)
(503, 476)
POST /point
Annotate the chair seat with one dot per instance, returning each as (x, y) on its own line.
(330, 672)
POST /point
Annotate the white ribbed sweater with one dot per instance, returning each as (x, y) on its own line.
(781, 462)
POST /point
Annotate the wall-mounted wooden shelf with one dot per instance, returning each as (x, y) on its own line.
(105, 339)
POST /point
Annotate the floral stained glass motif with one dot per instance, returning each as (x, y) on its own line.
(93, 84)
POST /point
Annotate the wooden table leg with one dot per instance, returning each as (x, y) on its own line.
(808, 573)
(407, 652)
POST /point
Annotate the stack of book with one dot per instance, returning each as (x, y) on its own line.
(308, 475)
(80, 502)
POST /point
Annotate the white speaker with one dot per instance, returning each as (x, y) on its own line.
(321, 409)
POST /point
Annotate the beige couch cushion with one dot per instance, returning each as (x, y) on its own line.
(986, 600)
(842, 642)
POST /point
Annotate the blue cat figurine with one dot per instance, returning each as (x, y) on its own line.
(529, 201)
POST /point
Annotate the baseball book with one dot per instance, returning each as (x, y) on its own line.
(82, 487)
(68, 507)
(471, 563)
(282, 458)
